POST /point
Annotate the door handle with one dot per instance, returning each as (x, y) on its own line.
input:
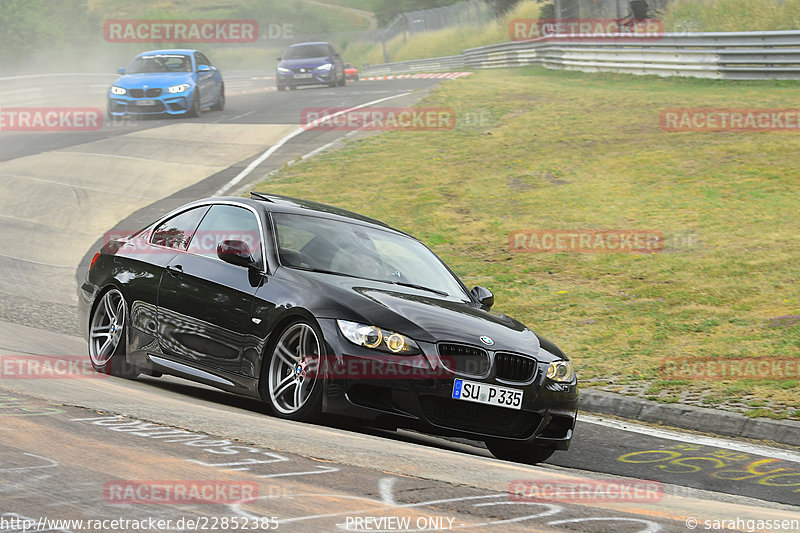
(175, 271)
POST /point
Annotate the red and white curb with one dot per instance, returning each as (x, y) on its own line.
(420, 76)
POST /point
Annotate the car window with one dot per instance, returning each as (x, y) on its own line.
(306, 51)
(176, 232)
(226, 222)
(160, 63)
(315, 243)
(203, 60)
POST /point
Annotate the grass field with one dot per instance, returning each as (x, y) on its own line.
(445, 42)
(536, 149)
(680, 16)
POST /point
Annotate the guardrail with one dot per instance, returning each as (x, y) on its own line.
(417, 65)
(729, 55)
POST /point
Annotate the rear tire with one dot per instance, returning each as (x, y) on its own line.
(107, 336)
(520, 453)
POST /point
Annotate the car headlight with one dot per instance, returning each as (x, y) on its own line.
(284, 70)
(561, 371)
(179, 88)
(326, 66)
(377, 338)
(117, 90)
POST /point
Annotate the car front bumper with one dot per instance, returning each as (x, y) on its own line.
(547, 416)
(167, 104)
(317, 78)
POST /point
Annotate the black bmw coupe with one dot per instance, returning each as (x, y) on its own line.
(314, 309)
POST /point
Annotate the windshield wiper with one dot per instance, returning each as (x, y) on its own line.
(420, 287)
(323, 271)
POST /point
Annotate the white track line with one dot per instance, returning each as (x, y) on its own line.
(277, 146)
(745, 447)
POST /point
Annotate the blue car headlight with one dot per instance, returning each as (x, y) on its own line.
(179, 88)
(284, 70)
(377, 339)
(326, 66)
(119, 91)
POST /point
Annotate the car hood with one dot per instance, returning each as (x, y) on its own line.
(418, 314)
(312, 62)
(160, 80)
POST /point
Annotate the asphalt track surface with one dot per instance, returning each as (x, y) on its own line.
(67, 444)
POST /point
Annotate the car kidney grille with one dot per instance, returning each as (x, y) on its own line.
(464, 359)
(150, 93)
(512, 367)
(476, 418)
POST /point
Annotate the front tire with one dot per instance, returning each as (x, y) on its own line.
(520, 453)
(290, 383)
(220, 105)
(195, 110)
(107, 336)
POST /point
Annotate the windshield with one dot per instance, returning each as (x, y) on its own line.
(313, 243)
(160, 63)
(306, 51)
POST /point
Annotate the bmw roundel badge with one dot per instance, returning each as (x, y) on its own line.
(486, 340)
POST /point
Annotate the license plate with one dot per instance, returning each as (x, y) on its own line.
(302, 76)
(145, 102)
(487, 394)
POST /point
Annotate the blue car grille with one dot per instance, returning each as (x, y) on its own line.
(141, 93)
(157, 108)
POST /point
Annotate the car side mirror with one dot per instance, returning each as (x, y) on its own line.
(235, 252)
(484, 296)
(280, 59)
(121, 70)
(203, 68)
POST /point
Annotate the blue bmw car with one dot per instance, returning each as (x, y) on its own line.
(167, 82)
(310, 64)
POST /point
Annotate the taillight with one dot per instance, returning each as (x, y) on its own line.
(94, 260)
